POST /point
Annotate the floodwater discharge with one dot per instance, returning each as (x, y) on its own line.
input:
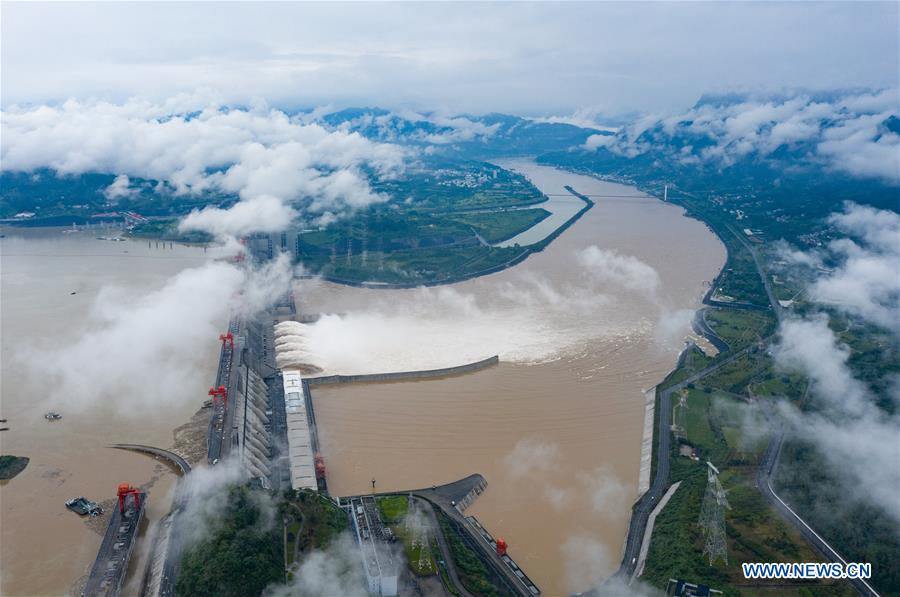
(50, 282)
(582, 329)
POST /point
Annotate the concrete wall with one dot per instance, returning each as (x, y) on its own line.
(404, 375)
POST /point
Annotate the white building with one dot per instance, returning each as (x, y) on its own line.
(300, 450)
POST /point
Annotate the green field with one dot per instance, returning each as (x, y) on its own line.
(412, 532)
(740, 327)
(498, 226)
(393, 508)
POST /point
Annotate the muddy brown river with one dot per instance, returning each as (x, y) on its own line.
(582, 329)
(49, 287)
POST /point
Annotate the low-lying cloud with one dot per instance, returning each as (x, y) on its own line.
(335, 570)
(849, 133)
(866, 278)
(259, 214)
(856, 438)
(192, 144)
(139, 354)
(629, 272)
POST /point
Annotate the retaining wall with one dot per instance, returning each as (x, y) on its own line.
(404, 375)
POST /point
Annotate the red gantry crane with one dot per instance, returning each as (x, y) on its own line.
(124, 491)
(227, 339)
(219, 392)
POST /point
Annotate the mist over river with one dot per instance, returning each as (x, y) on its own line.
(51, 286)
(582, 329)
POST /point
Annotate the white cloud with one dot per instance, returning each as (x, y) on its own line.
(587, 562)
(606, 493)
(120, 187)
(588, 118)
(194, 145)
(844, 133)
(866, 281)
(263, 213)
(856, 438)
(808, 345)
(625, 270)
(596, 141)
(140, 354)
(526, 58)
(335, 570)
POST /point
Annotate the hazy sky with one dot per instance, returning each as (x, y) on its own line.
(524, 58)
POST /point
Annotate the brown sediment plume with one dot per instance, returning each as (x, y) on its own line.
(556, 427)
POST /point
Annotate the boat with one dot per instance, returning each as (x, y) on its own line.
(53, 416)
(83, 506)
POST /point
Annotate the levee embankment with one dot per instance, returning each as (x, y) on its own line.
(405, 375)
(453, 279)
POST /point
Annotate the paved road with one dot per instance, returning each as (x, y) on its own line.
(172, 457)
(660, 484)
(764, 473)
(446, 497)
(701, 326)
(449, 563)
(645, 505)
(773, 301)
(169, 574)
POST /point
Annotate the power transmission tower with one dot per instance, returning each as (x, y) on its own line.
(679, 428)
(712, 516)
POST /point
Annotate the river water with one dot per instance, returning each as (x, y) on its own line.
(582, 329)
(561, 207)
(44, 548)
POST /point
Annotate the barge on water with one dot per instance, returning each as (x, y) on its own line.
(83, 506)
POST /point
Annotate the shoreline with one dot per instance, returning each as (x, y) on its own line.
(527, 250)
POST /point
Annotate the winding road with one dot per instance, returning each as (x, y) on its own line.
(765, 472)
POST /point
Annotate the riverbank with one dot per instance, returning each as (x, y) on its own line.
(563, 411)
(526, 251)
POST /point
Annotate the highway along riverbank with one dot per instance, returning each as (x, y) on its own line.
(582, 328)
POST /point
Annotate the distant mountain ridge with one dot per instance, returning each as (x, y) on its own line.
(483, 136)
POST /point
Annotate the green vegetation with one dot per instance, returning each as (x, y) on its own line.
(715, 428)
(393, 508)
(472, 572)
(241, 555)
(806, 481)
(248, 544)
(740, 327)
(167, 229)
(442, 570)
(418, 550)
(311, 521)
(499, 226)
(10, 466)
(429, 232)
(62, 200)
